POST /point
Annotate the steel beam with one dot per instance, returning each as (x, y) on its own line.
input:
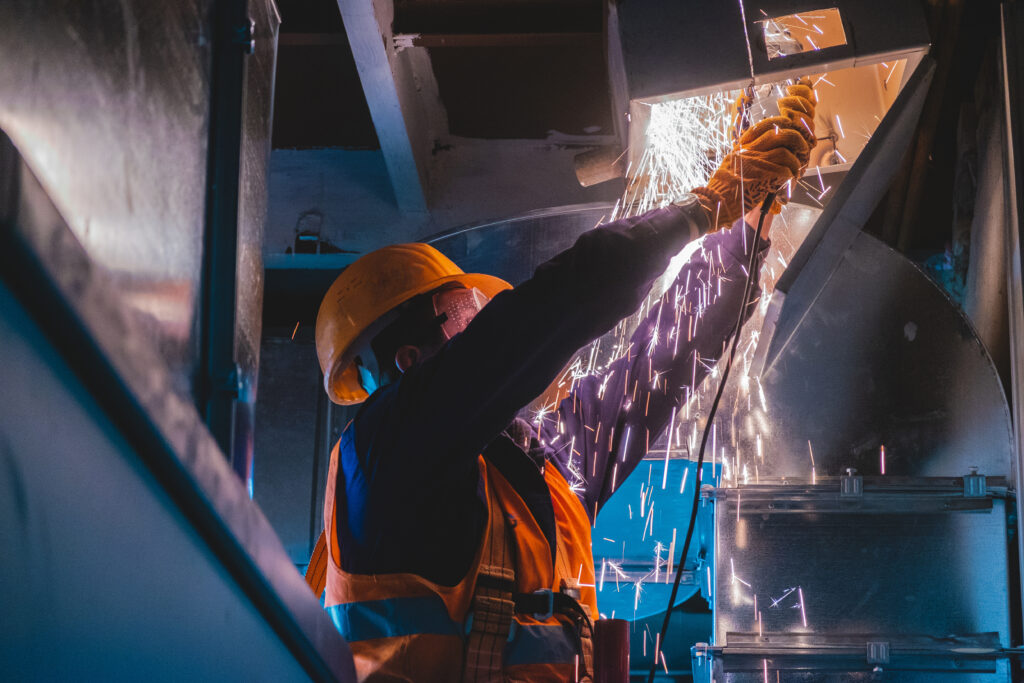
(367, 39)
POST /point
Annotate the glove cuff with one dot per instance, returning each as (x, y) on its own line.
(717, 209)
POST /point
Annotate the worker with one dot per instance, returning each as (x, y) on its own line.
(458, 535)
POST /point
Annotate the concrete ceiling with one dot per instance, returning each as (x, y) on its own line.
(504, 70)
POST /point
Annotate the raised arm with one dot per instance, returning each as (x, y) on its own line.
(609, 421)
(451, 405)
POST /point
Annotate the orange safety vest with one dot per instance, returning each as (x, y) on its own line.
(402, 627)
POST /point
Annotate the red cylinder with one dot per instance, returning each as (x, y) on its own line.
(611, 651)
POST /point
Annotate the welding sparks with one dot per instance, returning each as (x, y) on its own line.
(891, 72)
(684, 142)
(776, 601)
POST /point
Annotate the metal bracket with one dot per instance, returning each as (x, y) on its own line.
(551, 604)
(851, 485)
(246, 37)
(878, 652)
(975, 485)
(231, 383)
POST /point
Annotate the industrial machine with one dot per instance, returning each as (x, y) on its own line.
(858, 514)
(862, 521)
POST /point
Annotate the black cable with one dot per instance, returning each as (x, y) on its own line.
(747, 288)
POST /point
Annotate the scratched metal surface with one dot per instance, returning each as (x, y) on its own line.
(109, 104)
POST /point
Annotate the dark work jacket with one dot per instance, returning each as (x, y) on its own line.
(409, 493)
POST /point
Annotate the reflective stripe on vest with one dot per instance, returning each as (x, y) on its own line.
(393, 617)
(404, 627)
(530, 643)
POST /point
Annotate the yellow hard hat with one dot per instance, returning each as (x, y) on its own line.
(369, 289)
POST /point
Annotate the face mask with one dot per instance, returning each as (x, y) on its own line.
(455, 308)
(368, 372)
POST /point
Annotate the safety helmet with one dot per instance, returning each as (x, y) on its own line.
(369, 289)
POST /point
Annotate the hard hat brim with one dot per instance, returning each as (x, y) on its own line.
(341, 383)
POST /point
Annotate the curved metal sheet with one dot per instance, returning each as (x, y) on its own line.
(512, 248)
(109, 104)
(78, 309)
(884, 358)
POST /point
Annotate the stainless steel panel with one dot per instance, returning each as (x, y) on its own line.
(108, 104)
(934, 574)
(845, 215)
(79, 307)
(257, 116)
(104, 577)
(883, 358)
(688, 47)
(512, 248)
(1012, 25)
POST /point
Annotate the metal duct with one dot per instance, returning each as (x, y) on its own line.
(117, 502)
(109, 103)
(663, 50)
(882, 357)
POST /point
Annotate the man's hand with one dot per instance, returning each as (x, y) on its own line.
(766, 156)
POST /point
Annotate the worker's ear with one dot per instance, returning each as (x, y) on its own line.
(406, 357)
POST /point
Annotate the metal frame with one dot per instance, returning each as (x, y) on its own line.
(218, 377)
(72, 303)
(1013, 81)
(842, 220)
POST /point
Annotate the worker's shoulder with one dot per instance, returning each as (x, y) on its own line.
(376, 406)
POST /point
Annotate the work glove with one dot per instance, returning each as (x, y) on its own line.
(798, 107)
(765, 157)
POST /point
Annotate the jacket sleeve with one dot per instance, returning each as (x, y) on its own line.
(448, 408)
(608, 422)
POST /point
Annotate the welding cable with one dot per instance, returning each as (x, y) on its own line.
(747, 289)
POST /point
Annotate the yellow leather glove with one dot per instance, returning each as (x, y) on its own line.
(798, 107)
(767, 155)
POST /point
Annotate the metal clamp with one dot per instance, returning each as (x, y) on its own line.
(850, 484)
(878, 652)
(230, 382)
(975, 485)
(551, 604)
(246, 37)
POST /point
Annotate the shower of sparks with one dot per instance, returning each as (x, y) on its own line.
(891, 72)
(776, 601)
(685, 141)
